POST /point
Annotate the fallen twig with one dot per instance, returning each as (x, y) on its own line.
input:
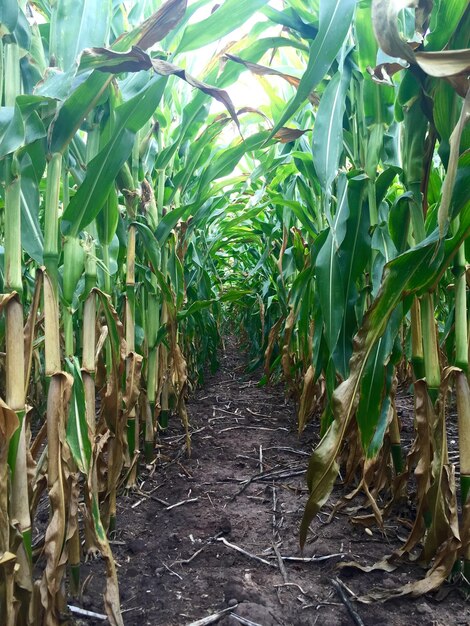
(224, 430)
(211, 619)
(287, 584)
(274, 515)
(310, 559)
(186, 561)
(173, 573)
(268, 475)
(173, 506)
(244, 620)
(340, 590)
(244, 552)
(218, 408)
(282, 567)
(84, 613)
(287, 449)
(259, 414)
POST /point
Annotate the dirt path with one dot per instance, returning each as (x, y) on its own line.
(175, 565)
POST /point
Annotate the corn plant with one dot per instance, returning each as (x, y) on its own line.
(93, 268)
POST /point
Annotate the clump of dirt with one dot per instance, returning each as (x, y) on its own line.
(208, 533)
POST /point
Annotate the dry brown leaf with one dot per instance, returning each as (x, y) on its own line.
(157, 26)
(60, 492)
(9, 423)
(169, 69)
(384, 20)
(262, 70)
(286, 135)
(451, 175)
(305, 406)
(286, 361)
(272, 338)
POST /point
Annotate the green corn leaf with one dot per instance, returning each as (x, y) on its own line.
(77, 427)
(331, 290)
(445, 16)
(168, 222)
(22, 31)
(85, 205)
(152, 249)
(225, 19)
(366, 41)
(76, 25)
(108, 218)
(354, 253)
(115, 330)
(9, 11)
(375, 388)
(88, 94)
(328, 130)
(12, 129)
(399, 221)
(151, 245)
(335, 20)
(225, 162)
(32, 238)
(76, 107)
(291, 19)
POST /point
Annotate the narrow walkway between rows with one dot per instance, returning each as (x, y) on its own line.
(219, 531)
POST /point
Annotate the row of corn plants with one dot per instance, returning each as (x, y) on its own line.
(351, 233)
(109, 164)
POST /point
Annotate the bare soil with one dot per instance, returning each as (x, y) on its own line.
(174, 565)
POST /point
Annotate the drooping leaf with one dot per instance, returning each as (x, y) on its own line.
(385, 21)
(262, 70)
(286, 135)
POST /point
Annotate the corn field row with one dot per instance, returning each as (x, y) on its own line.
(330, 226)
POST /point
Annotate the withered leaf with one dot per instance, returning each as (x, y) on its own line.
(285, 135)
(262, 70)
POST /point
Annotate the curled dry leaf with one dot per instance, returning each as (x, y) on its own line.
(9, 423)
(286, 361)
(156, 27)
(136, 59)
(305, 406)
(179, 377)
(285, 135)
(453, 65)
(385, 23)
(273, 335)
(262, 70)
(60, 483)
(162, 22)
(448, 186)
(436, 496)
(169, 69)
